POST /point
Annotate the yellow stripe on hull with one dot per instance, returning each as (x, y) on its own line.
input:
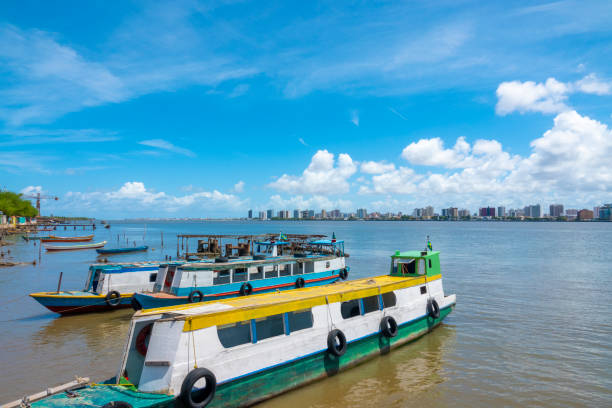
(253, 307)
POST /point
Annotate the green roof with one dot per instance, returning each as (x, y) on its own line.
(413, 254)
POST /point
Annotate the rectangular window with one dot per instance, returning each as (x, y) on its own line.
(370, 304)
(389, 299)
(221, 277)
(270, 326)
(153, 277)
(284, 270)
(327, 265)
(309, 267)
(423, 290)
(271, 271)
(350, 309)
(256, 273)
(409, 267)
(240, 275)
(298, 268)
(234, 334)
(299, 320)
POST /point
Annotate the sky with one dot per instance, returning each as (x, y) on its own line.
(209, 109)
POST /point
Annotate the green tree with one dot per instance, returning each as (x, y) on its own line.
(13, 204)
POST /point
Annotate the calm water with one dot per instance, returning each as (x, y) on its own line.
(532, 325)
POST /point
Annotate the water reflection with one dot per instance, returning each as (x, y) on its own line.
(395, 379)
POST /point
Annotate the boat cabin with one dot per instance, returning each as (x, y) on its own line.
(415, 263)
(121, 277)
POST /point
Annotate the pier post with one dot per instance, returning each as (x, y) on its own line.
(59, 283)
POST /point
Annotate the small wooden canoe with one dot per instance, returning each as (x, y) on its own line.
(53, 238)
(122, 250)
(73, 247)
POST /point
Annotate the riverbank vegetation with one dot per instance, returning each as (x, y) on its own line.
(12, 204)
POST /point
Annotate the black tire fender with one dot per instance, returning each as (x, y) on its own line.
(388, 326)
(135, 304)
(300, 283)
(246, 289)
(113, 298)
(196, 294)
(343, 273)
(433, 309)
(203, 396)
(336, 343)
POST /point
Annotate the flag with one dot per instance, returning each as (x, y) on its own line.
(282, 237)
(429, 245)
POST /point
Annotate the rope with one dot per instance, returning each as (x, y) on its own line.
(195, 359)
(329, 316)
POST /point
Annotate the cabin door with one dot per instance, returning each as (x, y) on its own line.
(96, 280)
(169, 278)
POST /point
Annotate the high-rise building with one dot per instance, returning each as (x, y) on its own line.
(262, 215)
(305, 214)
(250, 214)
(270, 214)
(335, 214)
(297, 214)
(464, 213)
(501, 211)
(585, 214)
(487, 212)
(418, 212)
(311, 214)
(570, 213)
(453, 212)
(556, 210)
(533, 211)
(445, 212)
(362, 213)
(428, 211)
(323, 214)
(605, 212)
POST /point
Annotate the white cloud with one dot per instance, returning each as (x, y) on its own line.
(572, 157)
(133, 196)
(548, 97)
(373, 167)
(165, 145)
(31, 190)
(302, 141)
(431, 152)
(355, 118)
(324, 175)
(316, 202)
(592, 85)
(239, 187)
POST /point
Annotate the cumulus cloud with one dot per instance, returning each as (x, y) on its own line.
(547, 97)
(374, 167)
(134, 195)
(165, 145)
(31, 190)
(573, 156)
(431, 152)
(316, 202)
(324, 175)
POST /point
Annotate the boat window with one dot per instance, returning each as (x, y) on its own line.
(421, 267)
(256, 273)
(370, 304)
(270, 326)
(284, 270)
(153, 277)
(299, 320)
(389, 299)
(221, 277)
(271, 272)
(298, 268)
(394, 264)
(309, 267)
(327, 265)
(430, 263)
(423, 290)
(350, 309)
(234, 334)
(408, 267)
(240, 275)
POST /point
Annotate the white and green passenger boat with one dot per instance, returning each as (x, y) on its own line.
(240, 351)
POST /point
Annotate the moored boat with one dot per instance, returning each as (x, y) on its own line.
(74, 247)
(108, 287)
(317, 263)
(53, 238)
(110, 251)
(241, 351)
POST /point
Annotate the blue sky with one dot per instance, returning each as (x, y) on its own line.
(190, 108)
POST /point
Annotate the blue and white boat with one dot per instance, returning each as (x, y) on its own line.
(108, 287)
(273, 266)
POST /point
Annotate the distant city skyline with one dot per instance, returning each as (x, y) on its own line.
(195, 109)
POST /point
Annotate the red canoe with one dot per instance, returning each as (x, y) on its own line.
(53, 238)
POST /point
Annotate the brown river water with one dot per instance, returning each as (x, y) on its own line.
(532, 325)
